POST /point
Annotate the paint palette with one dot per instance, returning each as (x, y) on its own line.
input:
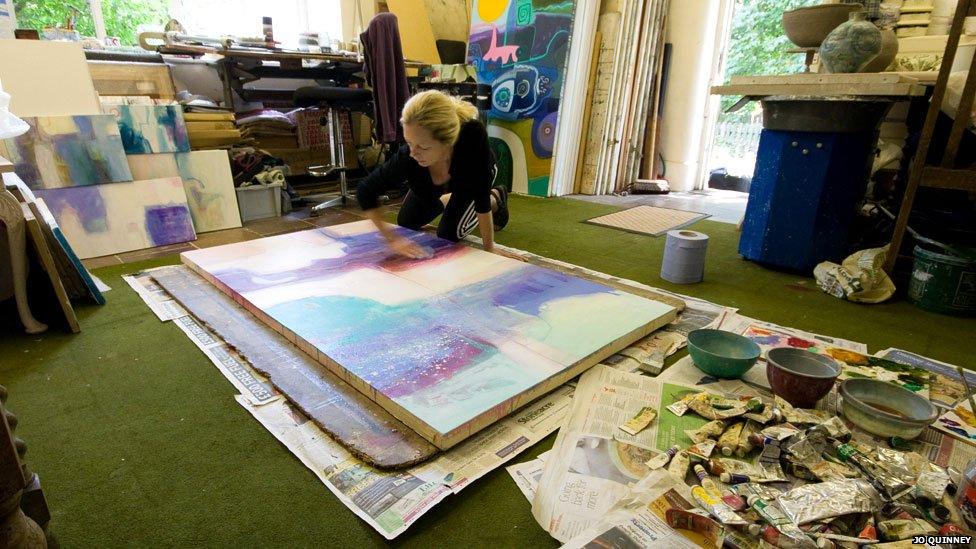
(448, 344)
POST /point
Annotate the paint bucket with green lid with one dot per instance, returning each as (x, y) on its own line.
(943, 283)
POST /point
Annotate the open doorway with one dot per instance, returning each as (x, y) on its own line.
(754, 45)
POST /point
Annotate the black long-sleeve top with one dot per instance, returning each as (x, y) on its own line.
(471, 171)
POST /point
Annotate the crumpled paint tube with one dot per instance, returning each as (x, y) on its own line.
(706, 482)
(829, 499)
(763, 416)
(888, 484)
(678, 468)
(895, 530)
(729, 440)
(716, 507)
(775, 516)
(702, 450)
(781, 431)
(801, 415)
(720, 465)
(761, 491)
(769, 464)
(662, 459)
(680, 407)
(712, 429)
(712, 531)
(931, 486)
(745, 445)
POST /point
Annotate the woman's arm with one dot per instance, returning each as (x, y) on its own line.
(387, 175)
(487, 229)
(398, 243)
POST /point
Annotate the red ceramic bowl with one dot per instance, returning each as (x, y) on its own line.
(800, 377)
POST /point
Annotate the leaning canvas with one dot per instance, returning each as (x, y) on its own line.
(69, 151)
(448, 344)
(110, 219)
(150, 129)
(208, 182)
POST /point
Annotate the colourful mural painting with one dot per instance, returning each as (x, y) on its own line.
(520, 48)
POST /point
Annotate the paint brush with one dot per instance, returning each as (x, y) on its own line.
(969, 392)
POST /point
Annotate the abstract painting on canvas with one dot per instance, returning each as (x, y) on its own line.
(208, 182)
(150, 129)
(449, 344)
(110, 219)
(69, 151)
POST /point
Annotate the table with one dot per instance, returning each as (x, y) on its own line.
(814, 160)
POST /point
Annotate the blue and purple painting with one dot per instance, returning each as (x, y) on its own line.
(520, 48)
(454, 340)
(148, 129)
(69, 151)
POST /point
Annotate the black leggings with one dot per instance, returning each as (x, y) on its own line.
(458, 221)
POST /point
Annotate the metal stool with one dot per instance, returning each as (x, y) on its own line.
(336, 102)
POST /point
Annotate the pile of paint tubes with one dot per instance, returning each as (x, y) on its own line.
(766, 474)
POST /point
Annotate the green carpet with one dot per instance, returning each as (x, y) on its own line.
(139, 442)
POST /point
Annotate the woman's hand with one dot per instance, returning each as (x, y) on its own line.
(408, 248)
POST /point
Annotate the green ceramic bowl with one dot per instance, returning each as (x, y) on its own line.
(722, 354)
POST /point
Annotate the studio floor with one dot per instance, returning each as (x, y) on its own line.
(139, 442)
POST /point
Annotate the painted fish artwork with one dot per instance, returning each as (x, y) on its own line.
(447, 344)
(109, 219)
(69, 151)
(147, 129)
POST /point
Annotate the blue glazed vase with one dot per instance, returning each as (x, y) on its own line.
(852, 45)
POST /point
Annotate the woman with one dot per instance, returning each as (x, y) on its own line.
(449, 169)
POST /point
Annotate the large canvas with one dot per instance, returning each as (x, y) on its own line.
(69, 151)
(110, 219)
(520, 48)
(148, 129)
(207, 180)
(449, 344)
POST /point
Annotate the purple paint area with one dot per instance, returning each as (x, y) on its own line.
(86, 203)
(536, 286)
(362, 250)
(169, 224)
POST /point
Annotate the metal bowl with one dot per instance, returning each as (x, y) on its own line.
(886, 409)
(722, 354)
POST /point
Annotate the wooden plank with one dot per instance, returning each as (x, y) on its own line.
(356, 422)
(128, 78)
(650, 135)
(947, 178)
(818, 78)
(588, 110)
(821, 90)
(47, 262)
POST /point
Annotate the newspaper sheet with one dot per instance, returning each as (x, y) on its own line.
(389, 501)
(648, 354)
(593, 461)
(527, 474)
(638, 519)
(392, 501)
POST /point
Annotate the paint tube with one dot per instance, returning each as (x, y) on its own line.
(680, 407)
(833, 428)
(778, 519)
(781, 432)
(662, 459)
(761, 491)
(734, 539)
(801, 415)
(723, 465)
(745, 445)
(930, 487)
(716, 507)
(894, 530)
(712, 531)
(887, 484)
(829, 499)
(938, 514)
(769, 464)
(736, 502)
(847, 539)
(771, 535)
(903, 544)
(712, 429)
(763, 416)
(678, 468)
(717, 407)
(639, 422)
(702, 450)
(707, 483)
(729, 440)
(869, 531)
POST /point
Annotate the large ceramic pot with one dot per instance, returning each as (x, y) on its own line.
(807, 27)
(889, 49)
(851, 46)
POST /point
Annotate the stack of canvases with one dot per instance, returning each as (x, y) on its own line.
(124, 180)
(619, 120)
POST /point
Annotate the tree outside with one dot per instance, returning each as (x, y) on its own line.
(122, 17)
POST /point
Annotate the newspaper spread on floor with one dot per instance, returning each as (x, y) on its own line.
(593, 461)
(527, 474)
(639, 518)
(389, 501)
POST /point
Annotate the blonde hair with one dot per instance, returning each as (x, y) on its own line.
(438, 113)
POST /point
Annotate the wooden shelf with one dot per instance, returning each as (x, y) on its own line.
(948, 178)
(821, 85)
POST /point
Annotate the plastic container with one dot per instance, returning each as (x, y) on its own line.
(966, 494)
(943, 283)
(259, 201)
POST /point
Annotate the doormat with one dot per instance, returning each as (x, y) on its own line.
(648, 220)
